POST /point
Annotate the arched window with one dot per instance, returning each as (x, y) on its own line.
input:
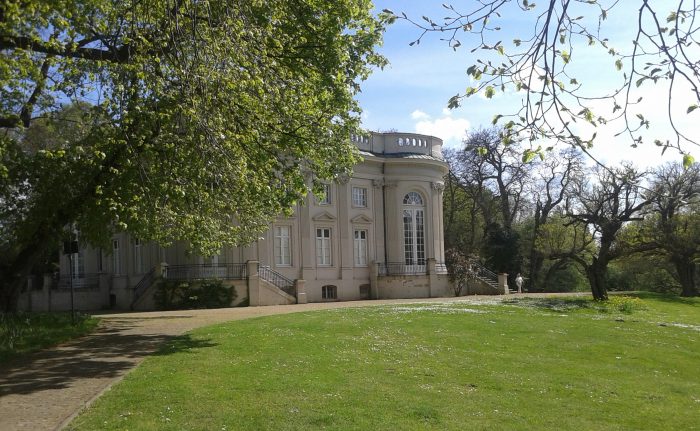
(413, 198)
(413, 229)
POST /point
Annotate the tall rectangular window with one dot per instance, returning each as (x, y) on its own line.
(360, 247)
(116, 261)
(283, 249)
(79, 264)
(100, 260)
(323, 246)
(326, 199)
(359, 197)
(138, 257)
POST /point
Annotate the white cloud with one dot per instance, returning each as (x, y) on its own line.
(451, 130)
(419, 115)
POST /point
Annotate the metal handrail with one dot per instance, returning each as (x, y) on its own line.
(484, 274)
(143, 284)
(278, 280)
(223, 271)
(400, 268)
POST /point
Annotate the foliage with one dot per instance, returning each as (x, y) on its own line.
(182, 295)
(440, 366)
(547, 66)
(604, 207)
(23, 333)
(616, 304)
(671, 227)
(182, 120)
(460, 271)
(563, 276)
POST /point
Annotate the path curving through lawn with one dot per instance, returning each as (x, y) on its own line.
(47, 389)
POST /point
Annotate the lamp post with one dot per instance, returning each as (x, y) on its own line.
(70, 248)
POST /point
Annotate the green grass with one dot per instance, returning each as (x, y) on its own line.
(23, 333)
(526, 364)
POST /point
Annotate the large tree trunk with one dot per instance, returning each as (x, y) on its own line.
(595, 273)
(536, 263)
(686, 276)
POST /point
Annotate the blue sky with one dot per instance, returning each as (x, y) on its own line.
(411, 94)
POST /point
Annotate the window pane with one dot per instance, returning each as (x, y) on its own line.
(359, 197)
(323, 246)
(360, 247)
(408, 236)
(282, 245)
(420, 238)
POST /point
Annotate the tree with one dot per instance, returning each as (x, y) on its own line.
(604, 207)
(550, 187)
(460, 269)
(204, 119)
(673, 226)
(563, 243)
(495, 176)
(543, 63)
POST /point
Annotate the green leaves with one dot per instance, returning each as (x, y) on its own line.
(688, 161)
(203, 135)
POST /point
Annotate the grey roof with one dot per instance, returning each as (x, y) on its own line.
(402, 156)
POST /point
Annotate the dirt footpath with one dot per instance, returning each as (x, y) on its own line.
(46, 390)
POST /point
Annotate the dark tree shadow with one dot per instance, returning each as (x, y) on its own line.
(666, 297)
(106, 353)
(553, 304)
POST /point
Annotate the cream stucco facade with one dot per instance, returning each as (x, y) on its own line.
(377, 234)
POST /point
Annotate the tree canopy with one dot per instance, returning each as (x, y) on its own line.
(541, 50)
(180, 119)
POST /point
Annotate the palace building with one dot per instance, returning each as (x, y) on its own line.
(375, 235)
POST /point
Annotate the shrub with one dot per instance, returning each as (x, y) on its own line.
(182, 295)
(622, 304)
(26, 332)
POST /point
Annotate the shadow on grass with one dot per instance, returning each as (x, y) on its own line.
(554, 304)
(105, 354)
(667, 297)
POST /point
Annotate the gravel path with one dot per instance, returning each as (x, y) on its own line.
(46, 390)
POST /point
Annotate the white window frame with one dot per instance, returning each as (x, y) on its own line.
(283, 245)
(359, 197)
(326, 199)
(413, 222)
(138, 256)
(329, 292)
(78, 264)
(116, 258)
(324, 246)
(360, 240)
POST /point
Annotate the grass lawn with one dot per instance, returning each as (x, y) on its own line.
(525, 364)
(22, 333)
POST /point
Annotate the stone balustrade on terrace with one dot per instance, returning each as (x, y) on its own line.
(398, 143)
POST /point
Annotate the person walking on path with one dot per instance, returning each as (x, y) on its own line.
(519, 282)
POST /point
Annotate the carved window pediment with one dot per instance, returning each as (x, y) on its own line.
(324, 216)
(361, 219)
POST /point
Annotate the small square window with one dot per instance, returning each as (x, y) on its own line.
(329, 292)
(359, 197)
